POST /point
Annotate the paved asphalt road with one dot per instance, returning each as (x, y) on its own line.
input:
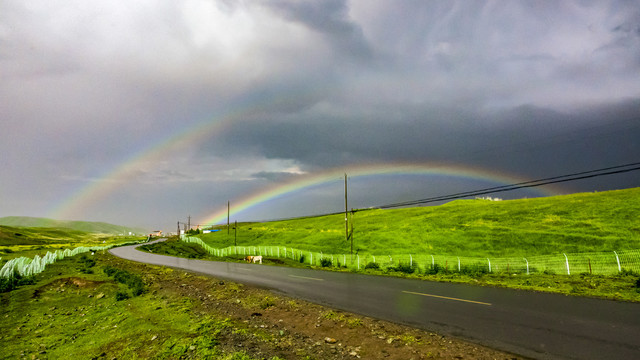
(536, 325)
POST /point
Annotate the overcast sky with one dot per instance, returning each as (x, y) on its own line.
(144, 112)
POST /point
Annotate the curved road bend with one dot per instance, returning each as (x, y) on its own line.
(536, 325)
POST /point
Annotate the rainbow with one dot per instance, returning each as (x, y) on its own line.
(98, 188)
(314, 179)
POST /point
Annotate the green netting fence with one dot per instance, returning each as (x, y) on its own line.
(603, 263)
(27, 266)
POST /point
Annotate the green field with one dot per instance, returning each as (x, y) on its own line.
(578, 223)
(85, 226)
(28, 242)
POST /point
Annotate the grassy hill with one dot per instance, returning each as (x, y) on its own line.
(23, 241)
(86, 226)
(584, 222)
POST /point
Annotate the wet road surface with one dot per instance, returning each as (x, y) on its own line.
(535, 325)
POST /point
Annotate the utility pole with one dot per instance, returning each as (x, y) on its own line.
(346, 216)
(178, 233)
(189, 222)
(228, 217)
(235, 234)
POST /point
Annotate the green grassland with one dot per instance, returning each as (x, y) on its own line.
(624, 286)
(70, 312)
(103, 307)
(577, 223)
(28, 242)
(85, 226)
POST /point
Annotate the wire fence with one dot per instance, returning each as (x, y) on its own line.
(600, 263)
(25, 266)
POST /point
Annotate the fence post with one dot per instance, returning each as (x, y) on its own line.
(433, 262)
(311, 258)
(618, 260)
(358, 256)
(567, 261)
(410, 260)
(374, 258)
(458, 263)
(489, 264)
(527, 265)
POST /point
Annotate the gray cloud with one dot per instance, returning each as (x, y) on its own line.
(275, 176)
(536, 89)
(330, 19)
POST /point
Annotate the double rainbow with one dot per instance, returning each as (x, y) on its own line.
(331, 175)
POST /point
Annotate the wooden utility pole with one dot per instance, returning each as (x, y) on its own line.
(235, 234)
(346, 216)
(189, 223)
(228, 217)
(178, 233)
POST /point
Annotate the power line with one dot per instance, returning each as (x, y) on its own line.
(521, 185)
(527, 184)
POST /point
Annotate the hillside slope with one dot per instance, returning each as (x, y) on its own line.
(87, 226)
(584, 222)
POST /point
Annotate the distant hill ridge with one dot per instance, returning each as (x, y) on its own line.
(87, 226)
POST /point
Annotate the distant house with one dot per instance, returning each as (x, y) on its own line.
(156, 233)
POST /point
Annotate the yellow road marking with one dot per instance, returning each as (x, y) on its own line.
(448, 298)
(308, 278)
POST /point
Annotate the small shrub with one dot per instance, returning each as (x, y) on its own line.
(302, 257)
(325, 262)
(109, 271)
(6, 285)
(372, 265)
(628, 272)
(11, 283)
(354, 323)
(474, 270)
(267, 302)
(121, 295)
(133, 281)
(404, 268)
(434, 269)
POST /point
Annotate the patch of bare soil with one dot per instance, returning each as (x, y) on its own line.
(64, 284)
(288, 328)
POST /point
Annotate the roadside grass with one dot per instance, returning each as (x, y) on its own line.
(177, 248)
(67, 312)
(72, 310)
(28, 242)
(624, 286)
(577, 223)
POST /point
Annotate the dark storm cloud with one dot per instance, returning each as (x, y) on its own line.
(526, 140)
(532, 88)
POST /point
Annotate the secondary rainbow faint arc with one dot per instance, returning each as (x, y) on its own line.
(102, 186)
(333, 174)
(110, 180)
